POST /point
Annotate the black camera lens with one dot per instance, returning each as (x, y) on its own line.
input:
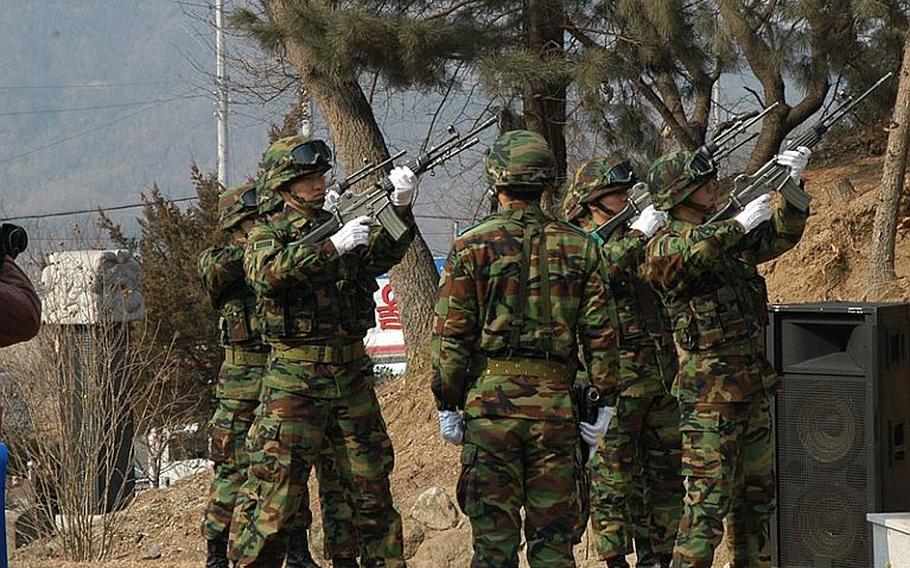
(13, 240)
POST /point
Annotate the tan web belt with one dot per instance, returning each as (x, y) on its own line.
(529, 368)
(323, 353)
(237, 356)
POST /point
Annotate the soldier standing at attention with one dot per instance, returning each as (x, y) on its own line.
(706, 275)
(641, 450)
(315, 304)
(518, 292)
(237, 396)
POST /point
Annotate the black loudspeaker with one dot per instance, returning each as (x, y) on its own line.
(841, 418)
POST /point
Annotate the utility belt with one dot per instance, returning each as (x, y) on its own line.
(244, 358)
(337, 354)
(543, 368)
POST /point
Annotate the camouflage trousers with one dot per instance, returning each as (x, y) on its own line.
(514, 463)
(289, 431)
(229, 427)
(727, 461)
(636, 489)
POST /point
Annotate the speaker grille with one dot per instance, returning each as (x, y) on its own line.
(822, 472)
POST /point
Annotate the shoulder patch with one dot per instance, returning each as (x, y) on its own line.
(260, 245)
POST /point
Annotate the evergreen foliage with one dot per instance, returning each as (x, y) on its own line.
(171, 238)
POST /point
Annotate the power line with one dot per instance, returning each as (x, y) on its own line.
(78, 134)
(97, 107)
(93, 85)
(175, 200)
(95, 210)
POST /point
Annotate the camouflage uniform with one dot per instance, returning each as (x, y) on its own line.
(314, 307)
(237, 396)
(505, 351)
(636, 469)
(717, 301)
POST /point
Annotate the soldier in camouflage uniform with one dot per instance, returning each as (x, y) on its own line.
(237, 396)
(315, 304)
(505, 351)
(642, 447)
(706, 275)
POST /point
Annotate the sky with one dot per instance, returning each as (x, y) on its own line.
(102, 100)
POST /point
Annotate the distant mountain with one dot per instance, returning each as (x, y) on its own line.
(132, 63)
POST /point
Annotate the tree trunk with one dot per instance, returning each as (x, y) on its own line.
(884, 228)
(545, 103)
(764, 61)
(356, 135)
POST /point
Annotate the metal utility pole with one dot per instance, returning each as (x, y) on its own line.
(221, 105)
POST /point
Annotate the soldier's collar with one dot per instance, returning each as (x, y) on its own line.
(676, 225)
(298, 218)
(518, 208)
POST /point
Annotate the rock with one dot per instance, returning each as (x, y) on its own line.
(151, 553)
(413, 537)
(434, 510)
(445, 549)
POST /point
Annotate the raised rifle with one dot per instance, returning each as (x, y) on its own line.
(775, 177)
(342, 185)
(375, 202)
(719, 148)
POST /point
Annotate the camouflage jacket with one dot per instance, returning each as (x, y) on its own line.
(648, 362)
(221, 270)
(478, 316)
(311, 295)
(717, 301)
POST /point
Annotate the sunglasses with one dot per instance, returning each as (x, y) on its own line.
(314, 154)
(249, 199)
(621, 173)
(699, 166)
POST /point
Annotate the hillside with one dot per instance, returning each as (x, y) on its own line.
(831, 260)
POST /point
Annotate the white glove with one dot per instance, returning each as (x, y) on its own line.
(796, 160)
(451, 426)
(649, 221)
(592, 433)
(355, 233)
(755, 212)
(331, 200)
(405, 182)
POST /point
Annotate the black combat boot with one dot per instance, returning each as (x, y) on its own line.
(644, 555)
(216, 556)
(299, 552)
(344, 563)
(617, 562)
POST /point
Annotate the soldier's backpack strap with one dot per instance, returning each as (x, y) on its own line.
(522, 299)
(544, 272)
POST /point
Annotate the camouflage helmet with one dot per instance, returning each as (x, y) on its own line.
(674, 176)
(521, 160)
(236, 204)
(285, 160)
(595, 178)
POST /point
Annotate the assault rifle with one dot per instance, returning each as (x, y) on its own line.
(719, 148)
(774, 177)
(340, 186)
(586, 398)
(375, 202)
